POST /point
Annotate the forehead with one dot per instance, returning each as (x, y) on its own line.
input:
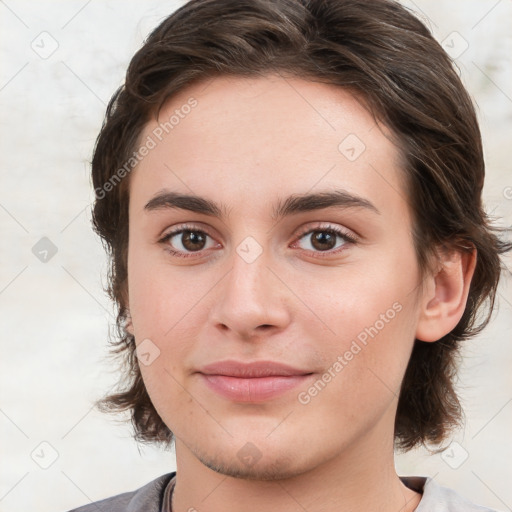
(254, 137)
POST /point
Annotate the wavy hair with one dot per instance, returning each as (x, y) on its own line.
(387, 57)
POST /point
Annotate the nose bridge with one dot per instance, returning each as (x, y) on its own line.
(249, 269)
(248, 284)
(249, 296)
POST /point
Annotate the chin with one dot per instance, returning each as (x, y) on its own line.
(266, 468)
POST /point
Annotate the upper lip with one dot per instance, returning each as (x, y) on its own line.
(253, 369)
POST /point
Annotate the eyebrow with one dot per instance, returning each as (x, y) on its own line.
(296, 203)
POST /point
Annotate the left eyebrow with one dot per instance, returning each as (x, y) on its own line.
(307, 202)
(293, 204)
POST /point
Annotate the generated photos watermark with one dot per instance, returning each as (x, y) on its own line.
(357, 345)
(144, 149)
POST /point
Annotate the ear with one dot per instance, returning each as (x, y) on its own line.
(446, 294)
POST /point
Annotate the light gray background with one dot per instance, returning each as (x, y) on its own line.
(55, 316)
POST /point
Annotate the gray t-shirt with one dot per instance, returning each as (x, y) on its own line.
(156, 497)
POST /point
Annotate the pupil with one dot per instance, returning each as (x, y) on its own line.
(323, 238)
(191, 240)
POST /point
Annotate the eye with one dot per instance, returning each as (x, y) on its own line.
(326, 239)
(186, 240)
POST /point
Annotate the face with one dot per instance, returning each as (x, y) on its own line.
(273, 330)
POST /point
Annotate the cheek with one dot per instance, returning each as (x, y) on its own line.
(367, 326)
(160, 297)
(365, 367)
(363, 298)
(168, 395)
(159, 305)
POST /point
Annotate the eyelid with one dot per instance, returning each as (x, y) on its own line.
(327, 226)
(183, 227)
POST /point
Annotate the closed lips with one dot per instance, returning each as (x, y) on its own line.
(252, 382)
(252, 370)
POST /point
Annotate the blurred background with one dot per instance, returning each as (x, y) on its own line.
(61, 62)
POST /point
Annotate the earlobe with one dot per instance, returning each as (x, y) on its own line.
(446, 295)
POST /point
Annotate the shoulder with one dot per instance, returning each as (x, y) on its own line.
(437, 498)
(147, 498)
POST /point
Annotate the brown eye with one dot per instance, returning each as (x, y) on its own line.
(330, 240)
(193, 240)
(323, 240)
(183, 241)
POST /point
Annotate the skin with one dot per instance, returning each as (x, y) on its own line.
(247, 144)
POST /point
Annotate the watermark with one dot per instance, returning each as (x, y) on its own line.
(455, 455)
(351, 147)
(150, 143)
(44, 250)
(454, 45)
(304, 397)
(249, 249)
(44, 455)
(249, 454)
(507, 192)
(44, 45)
(147, 352)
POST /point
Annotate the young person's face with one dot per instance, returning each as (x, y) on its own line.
(249, 287)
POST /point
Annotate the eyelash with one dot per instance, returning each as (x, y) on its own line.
(348, 239)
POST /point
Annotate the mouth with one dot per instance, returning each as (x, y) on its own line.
(252, 382)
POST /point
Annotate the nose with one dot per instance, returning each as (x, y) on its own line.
(251, 300)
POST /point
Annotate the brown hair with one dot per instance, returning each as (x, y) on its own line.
(386, 56)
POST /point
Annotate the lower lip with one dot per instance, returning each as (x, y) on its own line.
(256, 389)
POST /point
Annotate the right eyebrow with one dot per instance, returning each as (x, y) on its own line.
(193, 203)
